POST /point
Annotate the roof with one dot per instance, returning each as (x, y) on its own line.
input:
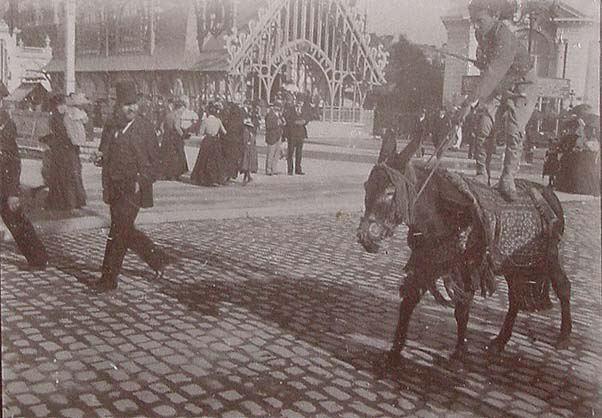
(585, 10)
(171, 53)
(162, 60)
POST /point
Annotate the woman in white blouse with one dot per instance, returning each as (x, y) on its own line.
(209, 167)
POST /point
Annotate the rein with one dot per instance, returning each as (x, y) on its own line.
(435, 166)
(410, 185)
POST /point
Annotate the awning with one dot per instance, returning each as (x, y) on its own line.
(21, 92)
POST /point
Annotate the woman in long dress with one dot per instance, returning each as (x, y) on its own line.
(63, 174)
(209, 169)
(173, 157)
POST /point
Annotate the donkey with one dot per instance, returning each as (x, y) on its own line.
(463, 232)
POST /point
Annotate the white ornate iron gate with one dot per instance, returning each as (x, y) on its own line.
(317, 45)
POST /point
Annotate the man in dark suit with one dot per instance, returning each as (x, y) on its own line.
(129, 155)
(10, 206)
(295, 133)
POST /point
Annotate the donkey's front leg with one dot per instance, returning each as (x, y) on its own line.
(411, 297)
(461, 313)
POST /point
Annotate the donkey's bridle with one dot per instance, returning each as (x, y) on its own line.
(399, 180)
(395, 175)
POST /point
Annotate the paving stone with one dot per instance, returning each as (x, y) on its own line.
(73, 413)
(253, 408)
(233, 414)
(193, 409)
(176, 398)
(213, 403)
(33, 376)
(261, 320)
(43, 388)
(364, 409)
(274, 403)
(405, 404)
(289, 413)
(337, 393)
(164, 411)
(193, 390)
(90, 400)
(15, 388)
(391, 410)
(27, 399)
(231, 395)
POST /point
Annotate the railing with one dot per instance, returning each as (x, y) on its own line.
(344, 114)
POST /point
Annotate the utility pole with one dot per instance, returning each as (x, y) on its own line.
(69, 46)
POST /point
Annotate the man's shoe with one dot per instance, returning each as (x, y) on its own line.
(167, 261)
(508, 193)
(300, 173)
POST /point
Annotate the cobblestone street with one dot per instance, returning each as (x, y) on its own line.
(281, 316)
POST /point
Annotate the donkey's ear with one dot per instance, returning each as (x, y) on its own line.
(408, 152)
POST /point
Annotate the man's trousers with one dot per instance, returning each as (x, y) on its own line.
(272, 157)
(511, 117)
(123, 235)
(24, 234)
(295, 146)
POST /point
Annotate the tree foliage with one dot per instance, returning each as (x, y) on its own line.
(413, 83)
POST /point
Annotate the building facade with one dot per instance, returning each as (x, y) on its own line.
(17, 61)
(565, 50)
(238, 49)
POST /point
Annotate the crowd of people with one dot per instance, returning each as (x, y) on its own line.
(227, 149)
(135, 152)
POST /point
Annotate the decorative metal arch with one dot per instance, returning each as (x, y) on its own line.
(328, 32)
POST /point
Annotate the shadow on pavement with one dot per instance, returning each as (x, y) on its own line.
(324, 313)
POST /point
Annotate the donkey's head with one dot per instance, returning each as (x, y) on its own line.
(390, 193)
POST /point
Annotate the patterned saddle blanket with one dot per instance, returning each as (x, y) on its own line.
(517, 234)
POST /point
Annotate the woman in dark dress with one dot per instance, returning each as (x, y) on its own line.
(209, 169)
(63, 175)
(173, 156)
(232, 118)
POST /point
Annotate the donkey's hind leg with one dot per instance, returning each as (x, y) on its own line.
(496, 345)
(562, 288)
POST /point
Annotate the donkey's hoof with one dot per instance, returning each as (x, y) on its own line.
(459, 354)
(495, 347)
(562, 343)
(393, 358)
